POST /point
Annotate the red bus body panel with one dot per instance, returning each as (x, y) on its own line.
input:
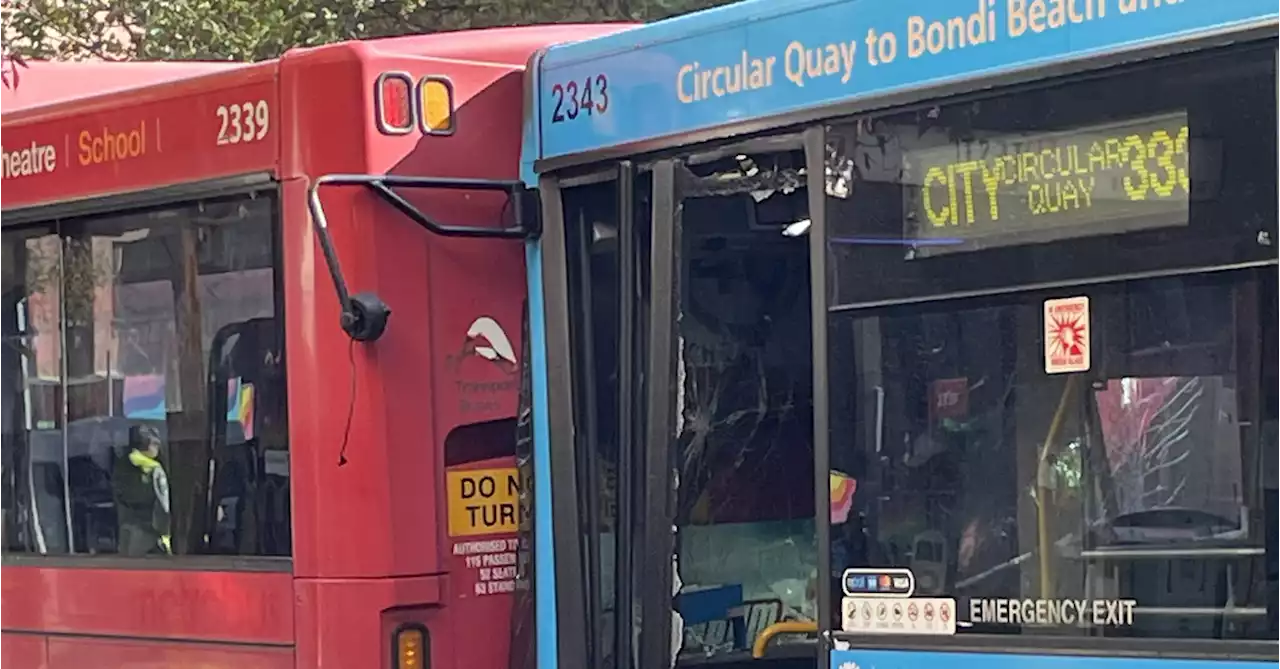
(370, 543)
(176, 127)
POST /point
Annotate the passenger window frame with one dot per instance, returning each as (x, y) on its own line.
(57, 216)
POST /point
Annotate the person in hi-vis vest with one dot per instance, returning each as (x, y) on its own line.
(140, 488)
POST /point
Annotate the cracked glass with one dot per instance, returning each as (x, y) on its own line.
(744, 450)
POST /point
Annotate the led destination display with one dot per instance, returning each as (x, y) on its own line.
(1001, 189)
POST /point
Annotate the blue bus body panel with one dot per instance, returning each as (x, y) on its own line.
(641, 82)
(544, 563)
(898, 659)
(530, 140)
(792, 55)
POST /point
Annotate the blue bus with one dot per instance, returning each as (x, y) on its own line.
(890, 335)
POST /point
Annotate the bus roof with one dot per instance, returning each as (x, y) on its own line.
(48, 82)
(718, 70)
(506, 45)
(90, 129)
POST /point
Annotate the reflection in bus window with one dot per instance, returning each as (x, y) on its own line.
(174, 434)
(34, 473)
(746, 552)
(1138, 484)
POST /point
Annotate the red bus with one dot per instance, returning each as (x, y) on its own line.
(200, 469)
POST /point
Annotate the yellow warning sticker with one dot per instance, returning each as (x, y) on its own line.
(483, 501)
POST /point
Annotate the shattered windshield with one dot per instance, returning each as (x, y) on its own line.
(744, 447)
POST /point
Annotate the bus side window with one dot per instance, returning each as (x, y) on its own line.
(139, 298)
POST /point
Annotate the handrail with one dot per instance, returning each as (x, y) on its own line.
(1043, 541)
(777, 629)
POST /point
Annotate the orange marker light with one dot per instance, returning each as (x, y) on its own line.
(435, 99)
(393, 100)
(412, 647)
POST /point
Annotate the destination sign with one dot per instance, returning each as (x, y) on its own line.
(1001, 189)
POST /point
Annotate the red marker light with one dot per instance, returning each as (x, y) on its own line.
(393, 100)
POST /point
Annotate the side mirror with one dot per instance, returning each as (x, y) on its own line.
(365, 315)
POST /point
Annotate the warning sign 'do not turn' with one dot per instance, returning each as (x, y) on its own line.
(483, 501)
(1066, 335)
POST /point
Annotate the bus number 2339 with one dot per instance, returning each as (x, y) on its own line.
(245, 122)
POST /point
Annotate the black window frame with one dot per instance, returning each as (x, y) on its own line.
(51, 215)
(572, 418)
(649, 299)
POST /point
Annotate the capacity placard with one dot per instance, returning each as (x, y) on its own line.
(483, 501)
(490, 565)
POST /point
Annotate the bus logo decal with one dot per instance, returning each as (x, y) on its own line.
(487, 339)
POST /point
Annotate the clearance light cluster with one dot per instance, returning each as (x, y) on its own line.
(411, 647)
(400, 104)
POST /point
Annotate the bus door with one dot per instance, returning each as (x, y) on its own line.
(595, 259)
(689, 362)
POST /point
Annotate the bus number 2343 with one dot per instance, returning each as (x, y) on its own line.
(575, 98)
(244, 122)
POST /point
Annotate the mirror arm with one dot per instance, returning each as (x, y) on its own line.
(364, 315)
